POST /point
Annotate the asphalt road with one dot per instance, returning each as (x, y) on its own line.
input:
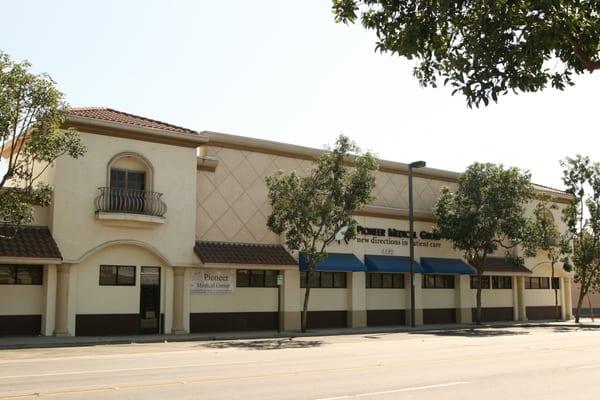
(508, 363)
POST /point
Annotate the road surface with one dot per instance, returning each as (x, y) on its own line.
(494, 363)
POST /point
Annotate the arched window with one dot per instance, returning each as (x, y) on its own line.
(130, 171)
(129, 187)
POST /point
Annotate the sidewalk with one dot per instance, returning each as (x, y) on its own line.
(31, 342)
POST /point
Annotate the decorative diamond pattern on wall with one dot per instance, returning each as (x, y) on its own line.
(233, 203)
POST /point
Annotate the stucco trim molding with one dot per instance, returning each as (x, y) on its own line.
(127, 242)
(30, 260)
(116, 129)
(394, 213)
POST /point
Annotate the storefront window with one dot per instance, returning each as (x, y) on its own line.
(256, 278)
(21, 274)
(117, 275)
(485, 282)
(377, 280)
(324, 279)
(438, 282)
(501, 282)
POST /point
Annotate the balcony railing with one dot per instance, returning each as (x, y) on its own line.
(129, 201)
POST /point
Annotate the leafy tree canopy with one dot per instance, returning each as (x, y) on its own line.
(581, 176)
(486, 212)
(31, 114)
(309, 210)
(482, 48)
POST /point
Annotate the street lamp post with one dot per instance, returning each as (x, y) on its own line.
(411, 228)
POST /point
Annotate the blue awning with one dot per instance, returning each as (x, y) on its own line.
(451, 266)
(390, 264)
(336, 262)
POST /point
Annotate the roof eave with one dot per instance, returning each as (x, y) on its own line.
(118, 129)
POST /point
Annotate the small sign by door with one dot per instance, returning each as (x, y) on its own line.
(212, 281)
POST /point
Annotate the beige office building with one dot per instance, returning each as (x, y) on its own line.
(162, 229)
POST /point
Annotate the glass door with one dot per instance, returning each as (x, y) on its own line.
(150, 300)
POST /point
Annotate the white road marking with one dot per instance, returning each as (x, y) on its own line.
(589, 367)
(99, 371)
(408, 389)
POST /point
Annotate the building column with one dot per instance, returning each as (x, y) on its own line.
(521, 298)
(64, 316)
(289, 318)
(168, 304)
(464, 313)
(568, 304)
(418, 299)
(515, 296)
(357, 300)
(49, 313)
(178, 289)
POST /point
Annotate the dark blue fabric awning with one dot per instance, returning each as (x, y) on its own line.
(451, 266)
(336, 262)
(390, 264)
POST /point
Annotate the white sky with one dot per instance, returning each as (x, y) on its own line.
(284, 71)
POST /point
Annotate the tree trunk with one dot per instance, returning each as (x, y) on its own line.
(556, 310)
(478, 313)
(579, 303)
(305, 307)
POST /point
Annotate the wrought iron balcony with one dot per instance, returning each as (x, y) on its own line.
(115, 200)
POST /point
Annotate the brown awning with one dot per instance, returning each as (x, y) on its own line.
(243, 253)
(28, 242)
(500, 264)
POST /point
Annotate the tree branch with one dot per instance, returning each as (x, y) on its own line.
(587, 62)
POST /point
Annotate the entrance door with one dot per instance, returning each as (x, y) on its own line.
(150, 300)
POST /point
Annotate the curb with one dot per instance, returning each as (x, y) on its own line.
(72, 342)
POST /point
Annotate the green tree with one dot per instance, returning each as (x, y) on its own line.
(486, 212)
(548, 239)
(582, 215)
(31, 138)
(310, 210)
(484, 49)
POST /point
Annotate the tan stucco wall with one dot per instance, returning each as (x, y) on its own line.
(241, 300)
(76, 229)
(492, 298)
(387, 299)
(233, 204)
(21, 299)
(95, 299)
(439, 298)
(326, 299)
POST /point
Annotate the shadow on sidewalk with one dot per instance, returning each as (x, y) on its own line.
(482, 332)
(267, 344)
(575, 328)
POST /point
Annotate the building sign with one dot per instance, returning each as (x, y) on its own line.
(212, 281)
(397, 237)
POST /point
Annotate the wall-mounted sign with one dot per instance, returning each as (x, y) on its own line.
(212, 281)
(397, 237)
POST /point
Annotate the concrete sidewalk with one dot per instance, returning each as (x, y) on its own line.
(31, 342)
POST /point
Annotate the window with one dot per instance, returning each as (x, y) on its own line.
(438, 282)
(117, 275)
(555, 283)
(485, 282)
(501, 282)
(376, 280)
(21, 274)
(537, 282)
(324, 279)
(256, 278)
(125, 179)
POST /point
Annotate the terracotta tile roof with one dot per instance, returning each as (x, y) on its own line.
(243, 253)
(109, 114)
(28, 241)
(549, 189)
(500, 264)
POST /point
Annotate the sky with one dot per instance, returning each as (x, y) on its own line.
(284, 70)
